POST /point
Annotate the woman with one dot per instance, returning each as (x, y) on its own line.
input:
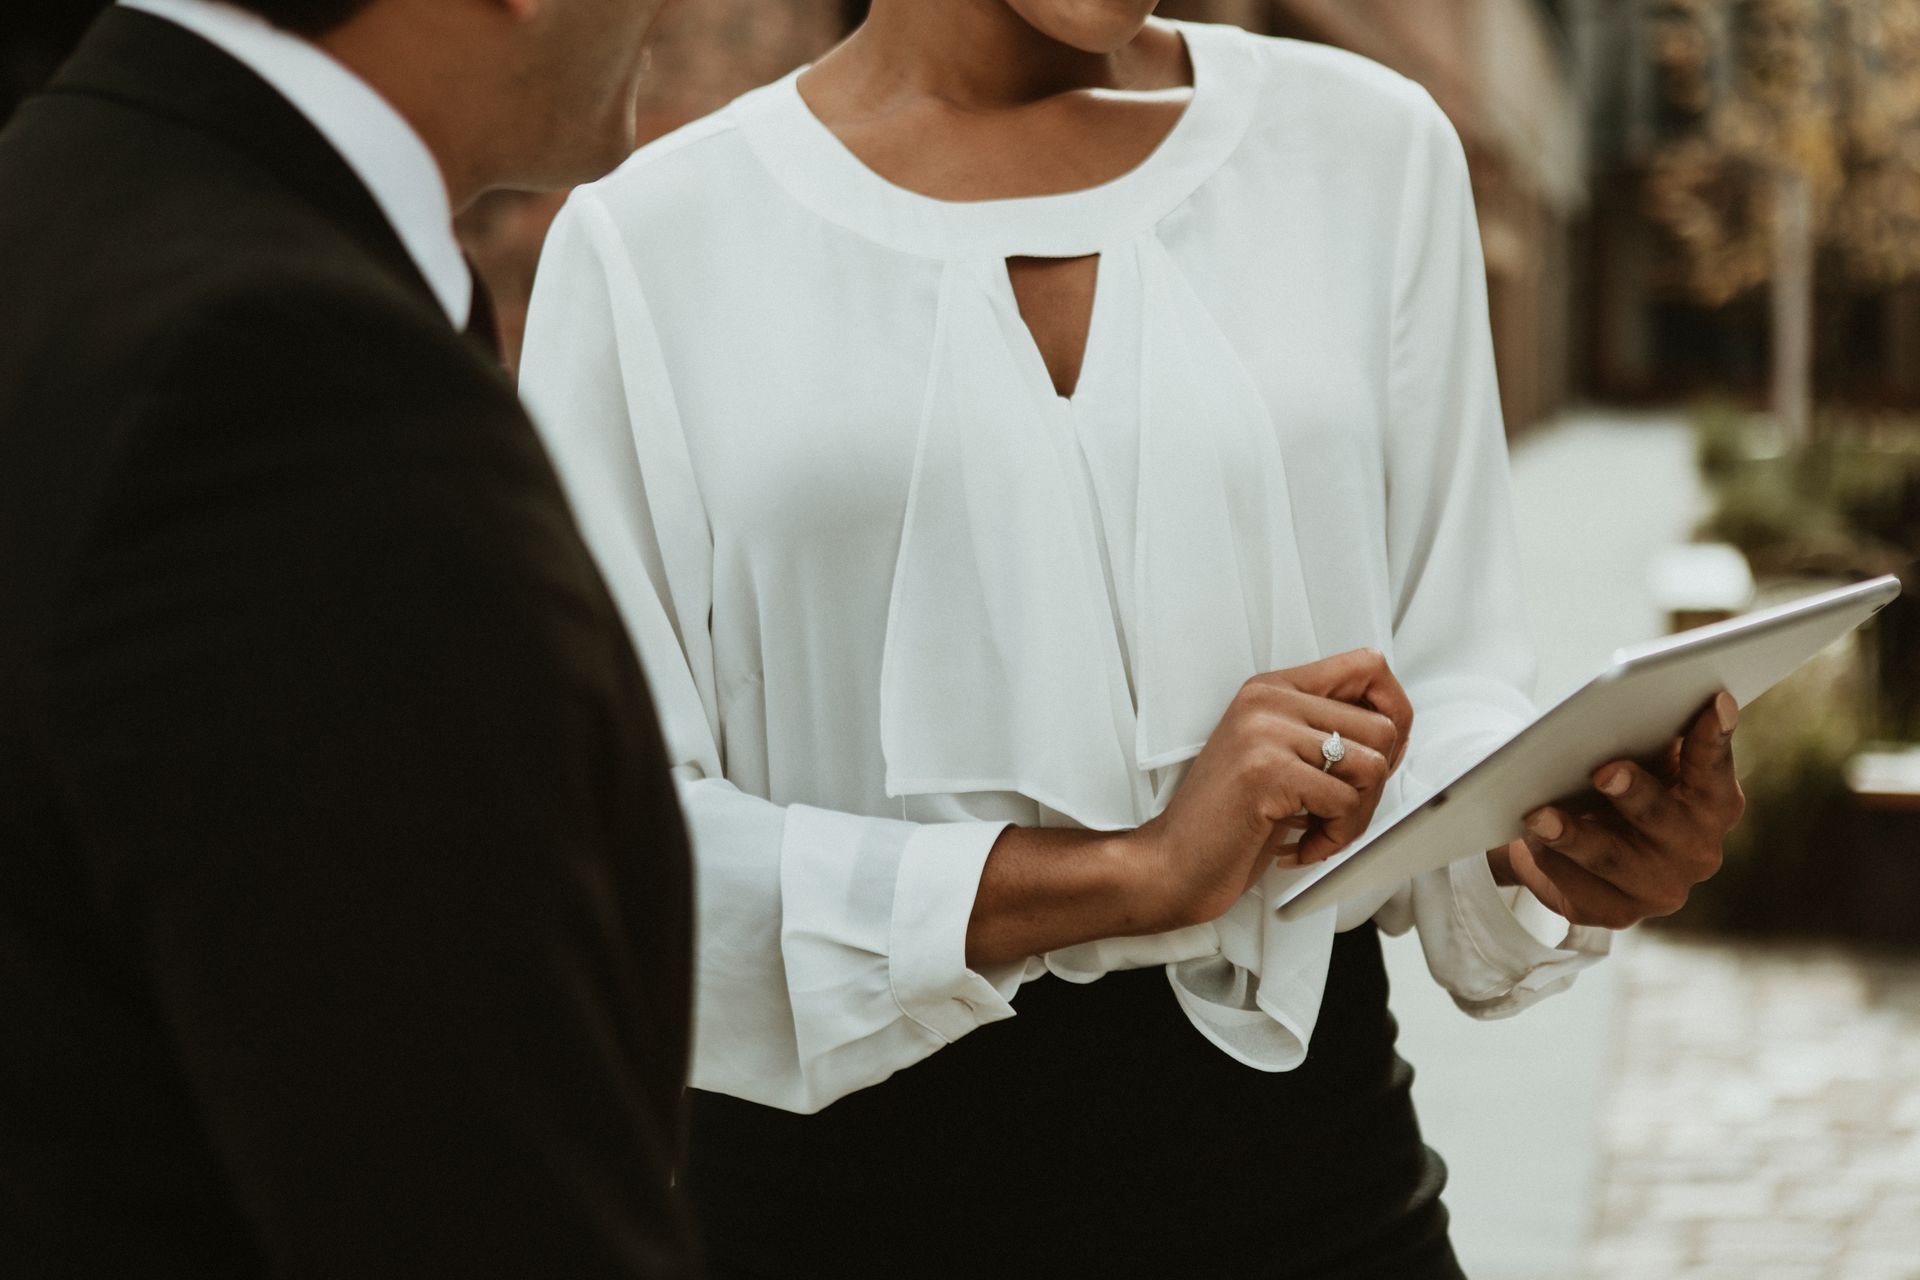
(989, 434)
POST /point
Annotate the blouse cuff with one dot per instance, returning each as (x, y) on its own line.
(933, 897)
(1524, 950)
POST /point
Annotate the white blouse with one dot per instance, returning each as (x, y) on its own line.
(893, 593)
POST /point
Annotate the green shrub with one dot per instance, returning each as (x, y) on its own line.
(1725, 437)
(1847, 504)
(1791, 752)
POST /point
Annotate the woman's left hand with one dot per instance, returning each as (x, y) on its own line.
(1644, 842)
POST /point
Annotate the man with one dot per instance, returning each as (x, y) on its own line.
(343, 900)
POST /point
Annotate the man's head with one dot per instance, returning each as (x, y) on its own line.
(309, 18)
(530, 94)
(580, 75)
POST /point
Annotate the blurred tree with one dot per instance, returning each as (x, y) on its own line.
(1794, 127)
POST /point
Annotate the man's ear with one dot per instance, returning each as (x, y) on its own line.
(521, 10)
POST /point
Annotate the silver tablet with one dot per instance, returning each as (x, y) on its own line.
(1631, 710)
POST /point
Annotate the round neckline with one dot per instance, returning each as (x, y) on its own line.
(821, 171)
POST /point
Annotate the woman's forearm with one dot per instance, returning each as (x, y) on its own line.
(1046, 889)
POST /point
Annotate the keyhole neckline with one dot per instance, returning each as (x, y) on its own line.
(808, 159)
(1034, 354)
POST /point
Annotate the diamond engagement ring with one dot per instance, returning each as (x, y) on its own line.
(1332, 751)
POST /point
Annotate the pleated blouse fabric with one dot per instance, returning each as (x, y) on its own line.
(894, 593)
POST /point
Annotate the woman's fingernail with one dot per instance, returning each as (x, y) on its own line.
(1546, 824)
(1727, 711)
(1615, 783)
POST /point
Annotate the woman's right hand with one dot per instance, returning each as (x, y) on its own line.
(1261, 777)
(1258, 778)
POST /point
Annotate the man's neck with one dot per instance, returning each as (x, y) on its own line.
(395, 57)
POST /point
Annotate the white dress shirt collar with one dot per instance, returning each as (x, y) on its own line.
(375, 140)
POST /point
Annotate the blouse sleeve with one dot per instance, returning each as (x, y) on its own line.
(830, 946)
(1461, 644)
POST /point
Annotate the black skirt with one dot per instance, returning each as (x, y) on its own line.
(1096, 1134)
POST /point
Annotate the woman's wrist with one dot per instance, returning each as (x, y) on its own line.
(1143, 901)
(1500, 861)
(1043, 889)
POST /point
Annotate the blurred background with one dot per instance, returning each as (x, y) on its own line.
(1701, 221)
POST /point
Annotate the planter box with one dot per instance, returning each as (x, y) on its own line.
(1880, 863)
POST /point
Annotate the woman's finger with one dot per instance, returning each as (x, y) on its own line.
(1705, 776)
(1584, 838)
(1335, 832)
(1283, 772)
(1283, 845)
(1272, 697)
(1640, 798)
(1360, 766)
(1569, 889)
(1326, 716)
(1597, 843)
(1318, 845)
(1380, 689)
(1358, 677)
(1335, 827)
(1526, 872)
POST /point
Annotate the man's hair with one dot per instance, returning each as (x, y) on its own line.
(308, 18)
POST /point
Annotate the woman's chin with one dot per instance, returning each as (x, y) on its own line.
(1091, 26)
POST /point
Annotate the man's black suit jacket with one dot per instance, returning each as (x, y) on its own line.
(344, 902)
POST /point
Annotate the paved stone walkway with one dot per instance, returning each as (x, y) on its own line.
(1763, 1117)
